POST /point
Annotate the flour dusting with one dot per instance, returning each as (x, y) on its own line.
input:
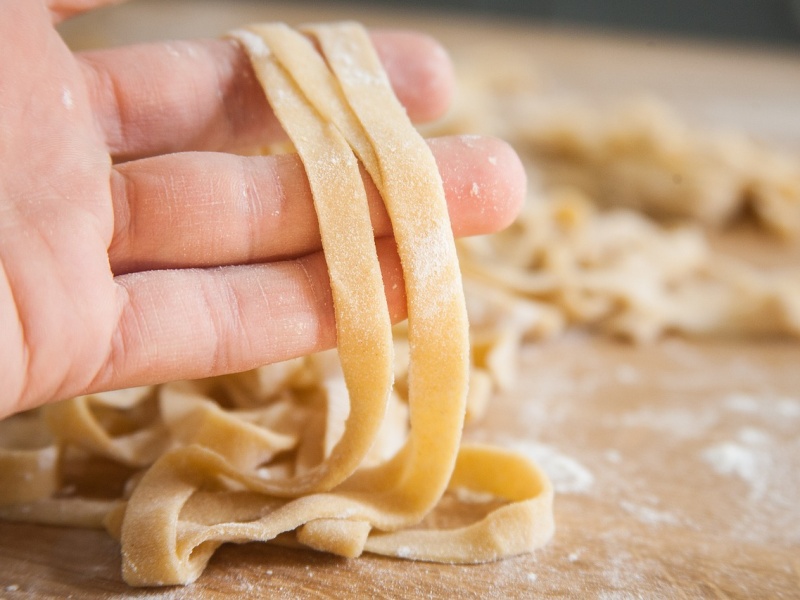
(753, 437)
(730, 458)
(567, 474)
(766, 406)
(743, 403)
(649, 515)
(678, 421)
(789, 408)
(66, 98)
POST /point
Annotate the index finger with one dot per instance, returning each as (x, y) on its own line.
(168, 97)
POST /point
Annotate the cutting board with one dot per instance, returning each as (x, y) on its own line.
(676, 464)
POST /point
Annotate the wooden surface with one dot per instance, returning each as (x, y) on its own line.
(676, 465)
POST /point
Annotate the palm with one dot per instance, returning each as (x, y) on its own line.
(175, 264)
(58, 218)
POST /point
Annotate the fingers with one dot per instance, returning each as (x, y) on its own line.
(64, 9)
(194, 323)
(208, 209)
(202, 95)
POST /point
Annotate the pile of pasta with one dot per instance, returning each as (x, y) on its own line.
(566, 263)
(614, 236)
(637, 153)
(642, 156)
(342, 452)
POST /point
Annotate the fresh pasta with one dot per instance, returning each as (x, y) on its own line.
(324, 451)
(350, 450)
(636, 153)
(564, 262)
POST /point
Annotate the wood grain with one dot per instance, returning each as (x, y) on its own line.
(677, 464)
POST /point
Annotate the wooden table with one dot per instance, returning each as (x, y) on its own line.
(677, 465)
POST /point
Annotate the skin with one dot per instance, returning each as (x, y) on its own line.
(136, 248)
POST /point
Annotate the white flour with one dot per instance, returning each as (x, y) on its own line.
(677, 421)
(648, 515)
(734, 459)
(567, 474)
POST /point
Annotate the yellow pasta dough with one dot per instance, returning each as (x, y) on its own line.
(336, 456)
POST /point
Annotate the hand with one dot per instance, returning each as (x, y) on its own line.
(184, 261)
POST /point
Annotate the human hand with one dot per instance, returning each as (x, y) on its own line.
(185, 261)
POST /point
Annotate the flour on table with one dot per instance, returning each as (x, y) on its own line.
(753, 437)
(746, 463)
(742, 403)
(649, 515)
(789, 408)
(567, 474)
(677, 421)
